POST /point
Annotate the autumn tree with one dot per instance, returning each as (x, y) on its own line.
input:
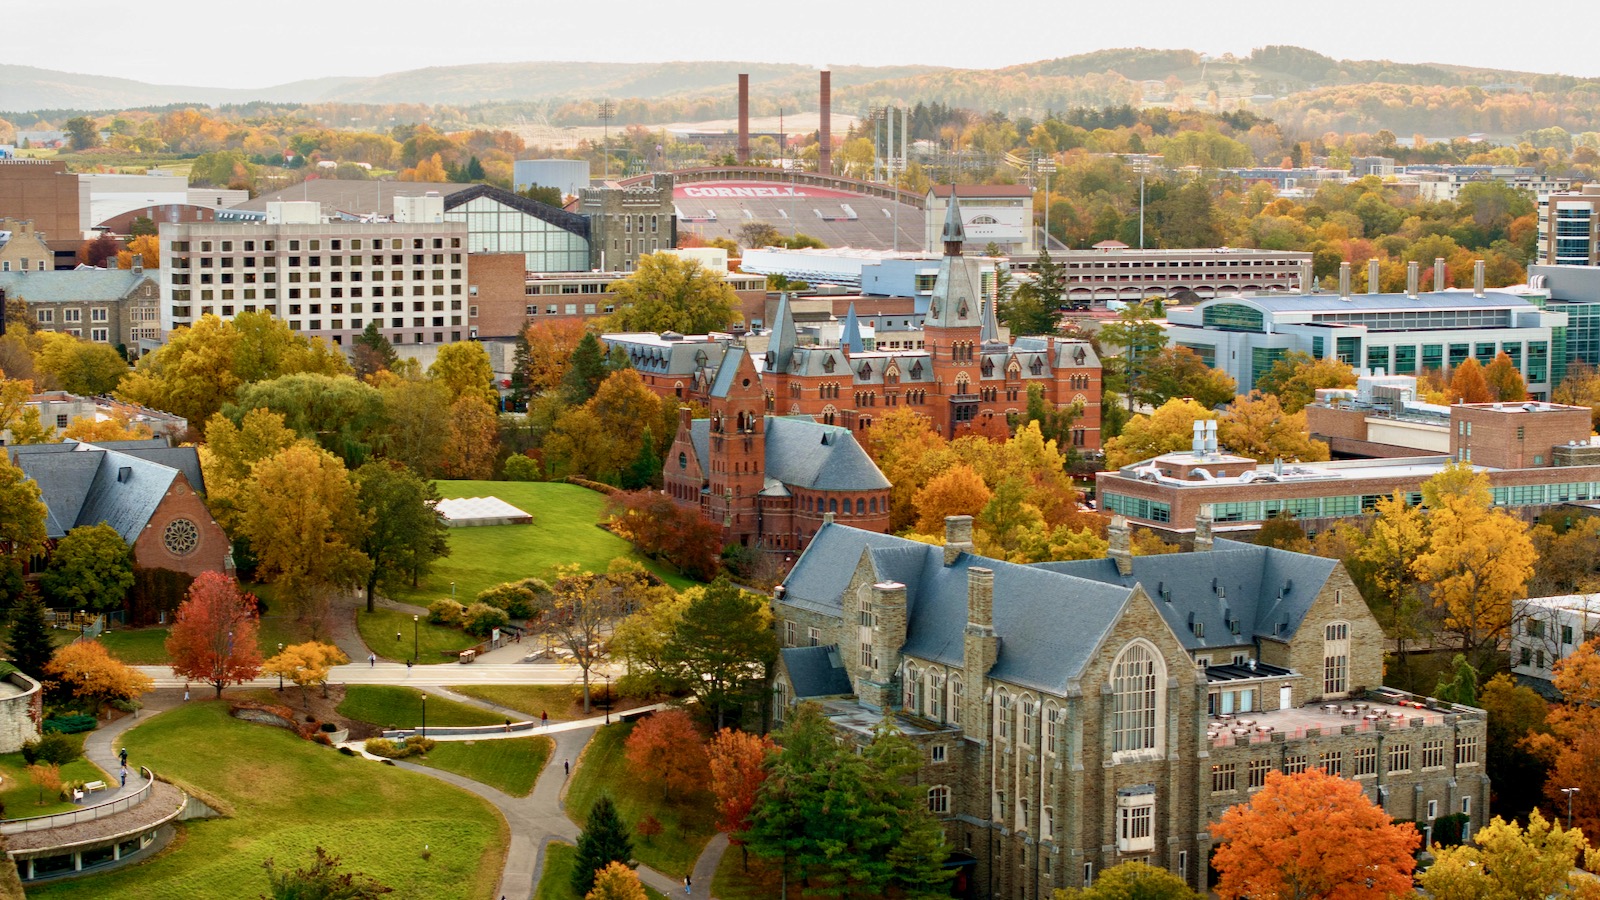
(91, 568)
(344, 416)
(1296, 377)
(229, 456)
(1132, 881)
(371, 352)
(1517, 715)
(86, 671)
(464, 370)
(1508, 860)
(46, 778)
(1178, 372)
(145, 246)
(666, 532)
(321, 879)
(1283, 532)
(550, 343)
(304, 523)
(421, 428)
(306, 664)
(1467, 384)
(616, 882)
(473, 440)
(1580, 387)
(1478, 561)
(1139, 335)
(404, 535)
(1169, 429)
(738, 762)
(586, 606)
(78, 366)
(1257, 426)
(1506, 384)
(665, 749)
(96, 431)
(672, 293)
(960, 491)
(1573, 741)
(22, 528)
(1312, 836)
(213, 637)
(603, 841)
(98, 251)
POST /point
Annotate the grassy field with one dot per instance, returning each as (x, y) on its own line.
(529, 699)
(686, 824)
(20, 799)
(555, 882)
(147, 646)
(288, 796)
(761, 882)
(563, 531)
(510, 764)
(431, 642)
(401, 707)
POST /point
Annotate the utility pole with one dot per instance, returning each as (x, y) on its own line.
(1141, 205)
(606, 113)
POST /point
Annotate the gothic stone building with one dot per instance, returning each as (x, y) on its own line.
(1076, 715)
(769, 481)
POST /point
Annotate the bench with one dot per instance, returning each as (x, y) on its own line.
(93, 786)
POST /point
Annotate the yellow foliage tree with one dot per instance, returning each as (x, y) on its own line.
(464, 369)
(474, 439)
(1257, 426)
(231, 452)
(306, 664)
(147, 247)
(1478, 560)
(960, 491)
(1388, 549)
(616, 882)
(88, 672)
(114, 429)
(301, 517)
(1506, 860)
(1170, 428)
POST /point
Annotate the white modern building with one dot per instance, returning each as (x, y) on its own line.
(1545, 630)
(999, 214)
(1398, 334)
(1568, 228)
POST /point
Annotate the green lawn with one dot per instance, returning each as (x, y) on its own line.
(147, 646)
(555, 880)
(529, 699)
(288, 796)
(508, 764)
(686, 824)
(563, 531)
(401, 707)
(431, 642)
(19, 799)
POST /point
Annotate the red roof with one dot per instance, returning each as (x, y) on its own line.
(984, 190)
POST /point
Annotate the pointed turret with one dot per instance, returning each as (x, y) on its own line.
(781, 344)
(850, 337)
(955, 234)
(991, 327)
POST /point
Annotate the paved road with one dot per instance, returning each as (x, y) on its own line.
(392, 673)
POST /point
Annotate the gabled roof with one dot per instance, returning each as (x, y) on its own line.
(816, 672)
(727, 370)
(72, 285)
(83, 484)
(567, 221)
(803, 453)
(850, 336)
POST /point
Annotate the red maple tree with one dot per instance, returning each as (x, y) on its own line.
(738, 767)
(214, 637)
(666, 749)
(1312, 836)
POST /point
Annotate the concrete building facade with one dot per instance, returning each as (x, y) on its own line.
(1569, 228)
(1076, 715)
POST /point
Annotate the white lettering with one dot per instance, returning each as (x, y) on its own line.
(737, 192)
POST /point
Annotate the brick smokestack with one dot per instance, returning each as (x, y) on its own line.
(744, 119)
(825, 130)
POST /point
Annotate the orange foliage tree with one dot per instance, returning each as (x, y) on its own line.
(960, 491)
(86, 670)
(665, 749)
(1467, 384)
(738, 767)
(1505, 382)
(1574, 741)
(1312, 836)
(214, 636)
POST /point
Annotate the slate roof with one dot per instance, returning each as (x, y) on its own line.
(804, 453)
(1051, 618)
(82, 484)
(72, 285)
(1267, 590)
(850, 337)
(816, 672)
(1332, 302)
(727, 370)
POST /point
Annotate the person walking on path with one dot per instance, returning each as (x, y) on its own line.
(508, 726)
(124, 774)
(124, 757)
(544, 718)
(688, 886)
(372, 660)
(566, 767)
(186, 692)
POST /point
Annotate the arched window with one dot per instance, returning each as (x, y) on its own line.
(939, 799)
(1136, 698)
(861, 507)
(936, 696)
(962, 383)
(1047, 823)
(872, 505)
(957, 689)
(1029, 708)
(1002, 715)
(833, 504)
(1336, 659)
(911, 689)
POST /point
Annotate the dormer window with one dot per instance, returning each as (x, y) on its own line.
(866, 370)
(988, 368)
(827, 364)
(1036, 366)
(962, 310)
(916, 369)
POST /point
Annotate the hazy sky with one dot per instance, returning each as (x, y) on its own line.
(237, 44)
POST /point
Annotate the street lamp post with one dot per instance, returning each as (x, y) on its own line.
(608, 698)
(424, 715)
(280, 671)
(1569, 792)
(1047, 167)
(415, 624)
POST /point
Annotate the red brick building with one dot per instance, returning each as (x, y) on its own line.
(769, 481)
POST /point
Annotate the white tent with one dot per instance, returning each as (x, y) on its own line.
(468, 512)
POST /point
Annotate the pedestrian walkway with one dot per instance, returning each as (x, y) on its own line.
(100, 748)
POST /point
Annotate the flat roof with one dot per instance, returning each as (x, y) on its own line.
(1417, 467)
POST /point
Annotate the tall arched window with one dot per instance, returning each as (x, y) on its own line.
(913, 688)
(936, 696)
(1136, 698)
(1336, 659)
(957, 688)
(939, 799)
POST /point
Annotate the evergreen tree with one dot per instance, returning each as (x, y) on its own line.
(31, 648)
(588, 369)
(521, 360)
(372, 351)
(645, 471)
(604, 840)
(1459, 684)
(474, 170)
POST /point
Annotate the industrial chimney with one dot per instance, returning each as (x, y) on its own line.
(1373, 277)
(825, 130)
(1411, 279)
(1477, 278)
(1438, 273)
(744, 119)
(1344, 281)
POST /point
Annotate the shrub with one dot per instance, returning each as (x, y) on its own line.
(53, 748)
(415, 745)
(445, 612)
(481, 618)
(329, 727)
(522, 468)
(529, 598)
(322, 739)
(383, 747)
(347, 751)
(69, 724)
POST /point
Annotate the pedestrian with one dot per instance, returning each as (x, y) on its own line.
(566, 767)
(186, 693)
(508, 726)
(372, 660)
(544, 718)
(123, 756)
(124, 774)
(688, 886)
(408, 663)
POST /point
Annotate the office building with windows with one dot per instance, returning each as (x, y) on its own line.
(1072, 716)
(1569, 227)
(1399, 334)
(1546, 630)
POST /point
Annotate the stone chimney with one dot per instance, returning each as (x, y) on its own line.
(1203, 537)
(1374, 275)
(957, 537)
(980, 649)
(1121, 538)
(138, 264)
(880, 685)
